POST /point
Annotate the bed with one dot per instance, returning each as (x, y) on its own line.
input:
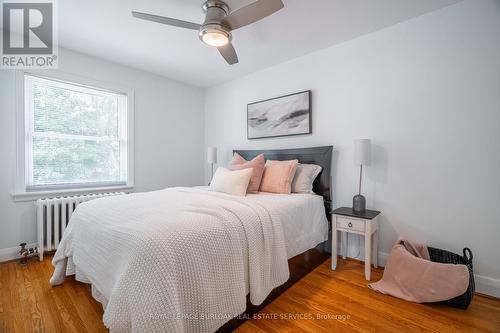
(190, 260)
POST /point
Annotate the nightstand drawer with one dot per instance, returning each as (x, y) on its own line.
(350, 224)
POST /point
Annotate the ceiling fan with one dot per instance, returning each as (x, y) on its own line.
(219, 22)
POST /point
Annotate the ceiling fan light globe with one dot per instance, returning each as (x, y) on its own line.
(215, 37)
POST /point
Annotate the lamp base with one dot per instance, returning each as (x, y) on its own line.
(359, 203)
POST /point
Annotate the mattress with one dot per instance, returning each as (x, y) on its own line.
(303, 219)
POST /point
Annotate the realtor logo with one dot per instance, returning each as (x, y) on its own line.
(29, 38)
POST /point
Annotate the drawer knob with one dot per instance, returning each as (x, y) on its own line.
(350, 224)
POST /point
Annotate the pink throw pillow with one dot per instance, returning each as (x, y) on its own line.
(278, 176)
(257, 165)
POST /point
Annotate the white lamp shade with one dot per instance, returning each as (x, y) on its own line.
(212, 155)
(362, 151)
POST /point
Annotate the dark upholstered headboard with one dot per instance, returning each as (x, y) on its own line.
(321, 156)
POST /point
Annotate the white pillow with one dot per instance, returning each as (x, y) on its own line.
(304, 177)
(231, 182)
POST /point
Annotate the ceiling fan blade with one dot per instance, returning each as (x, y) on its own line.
(252, 13)
(229, 53)
(166, 20)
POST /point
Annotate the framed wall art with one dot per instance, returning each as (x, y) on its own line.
(280, 116)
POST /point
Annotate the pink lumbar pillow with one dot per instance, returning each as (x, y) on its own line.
(278, 176)
(257, 164)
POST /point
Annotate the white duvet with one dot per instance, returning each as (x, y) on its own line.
(175, 260)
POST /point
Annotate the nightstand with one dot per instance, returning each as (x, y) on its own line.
(366, 224)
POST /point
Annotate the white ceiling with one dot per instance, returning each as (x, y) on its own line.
(106, 29)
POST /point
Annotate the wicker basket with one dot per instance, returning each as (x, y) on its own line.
(446, 257)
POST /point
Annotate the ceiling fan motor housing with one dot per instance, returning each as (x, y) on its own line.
(215, 11)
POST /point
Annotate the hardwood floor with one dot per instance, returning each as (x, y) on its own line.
(323, 301)
(29, 304)
(344, 293)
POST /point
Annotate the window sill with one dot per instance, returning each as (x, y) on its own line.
(32, 196)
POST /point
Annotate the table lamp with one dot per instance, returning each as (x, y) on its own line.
(362, 156)
(211, 159)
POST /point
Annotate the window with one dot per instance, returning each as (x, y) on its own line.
(76, 136)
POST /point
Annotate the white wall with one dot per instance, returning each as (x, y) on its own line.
(169, 137)
(427, 92)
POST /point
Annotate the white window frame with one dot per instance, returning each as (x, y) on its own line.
(23, 189)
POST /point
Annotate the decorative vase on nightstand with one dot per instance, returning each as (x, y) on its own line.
(362, 156)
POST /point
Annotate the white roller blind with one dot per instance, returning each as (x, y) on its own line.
(76, 135)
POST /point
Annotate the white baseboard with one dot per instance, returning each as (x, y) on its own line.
(12, 253)
(382, 258)
(488, 286)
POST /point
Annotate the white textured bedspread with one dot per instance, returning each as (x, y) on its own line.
(175, 260)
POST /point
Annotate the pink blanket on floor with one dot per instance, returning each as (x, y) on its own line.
(410, 275)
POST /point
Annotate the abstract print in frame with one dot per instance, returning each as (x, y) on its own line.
(280, 116)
